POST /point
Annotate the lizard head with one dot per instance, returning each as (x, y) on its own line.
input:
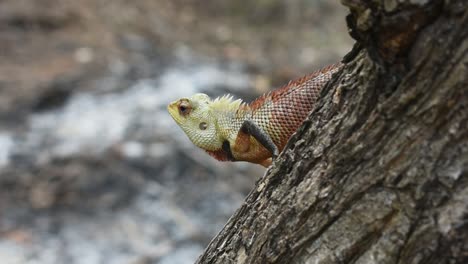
(196, 118)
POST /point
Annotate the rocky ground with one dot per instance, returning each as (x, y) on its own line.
(92, 168)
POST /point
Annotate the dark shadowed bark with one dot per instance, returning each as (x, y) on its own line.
(378, 172)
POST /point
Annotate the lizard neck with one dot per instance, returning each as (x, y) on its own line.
(229, 115)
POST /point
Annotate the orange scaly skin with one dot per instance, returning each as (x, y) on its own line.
(278, 113)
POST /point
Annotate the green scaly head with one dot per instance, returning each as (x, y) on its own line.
(196, 118)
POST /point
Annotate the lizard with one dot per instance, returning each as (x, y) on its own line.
(231, 130)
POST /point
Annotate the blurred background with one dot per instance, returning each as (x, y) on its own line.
(92, 168)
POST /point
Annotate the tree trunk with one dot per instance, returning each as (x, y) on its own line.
(378, 172)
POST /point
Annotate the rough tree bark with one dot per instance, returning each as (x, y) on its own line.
(378, 172)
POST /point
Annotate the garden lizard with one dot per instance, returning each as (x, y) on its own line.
(231, 130)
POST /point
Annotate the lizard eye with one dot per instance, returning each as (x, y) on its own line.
(203, 126)
(184, 108)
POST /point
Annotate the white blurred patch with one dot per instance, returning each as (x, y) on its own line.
(133, 149)
(84, 55)
(6, 145)
(11, 253)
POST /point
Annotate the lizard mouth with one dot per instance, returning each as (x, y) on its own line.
(173, 111)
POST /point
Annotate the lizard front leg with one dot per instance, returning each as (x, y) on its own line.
(227, 149)
(250, 128)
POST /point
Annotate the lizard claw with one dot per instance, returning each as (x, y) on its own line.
(275, 154)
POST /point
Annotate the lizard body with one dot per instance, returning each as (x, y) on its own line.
(231, 130)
